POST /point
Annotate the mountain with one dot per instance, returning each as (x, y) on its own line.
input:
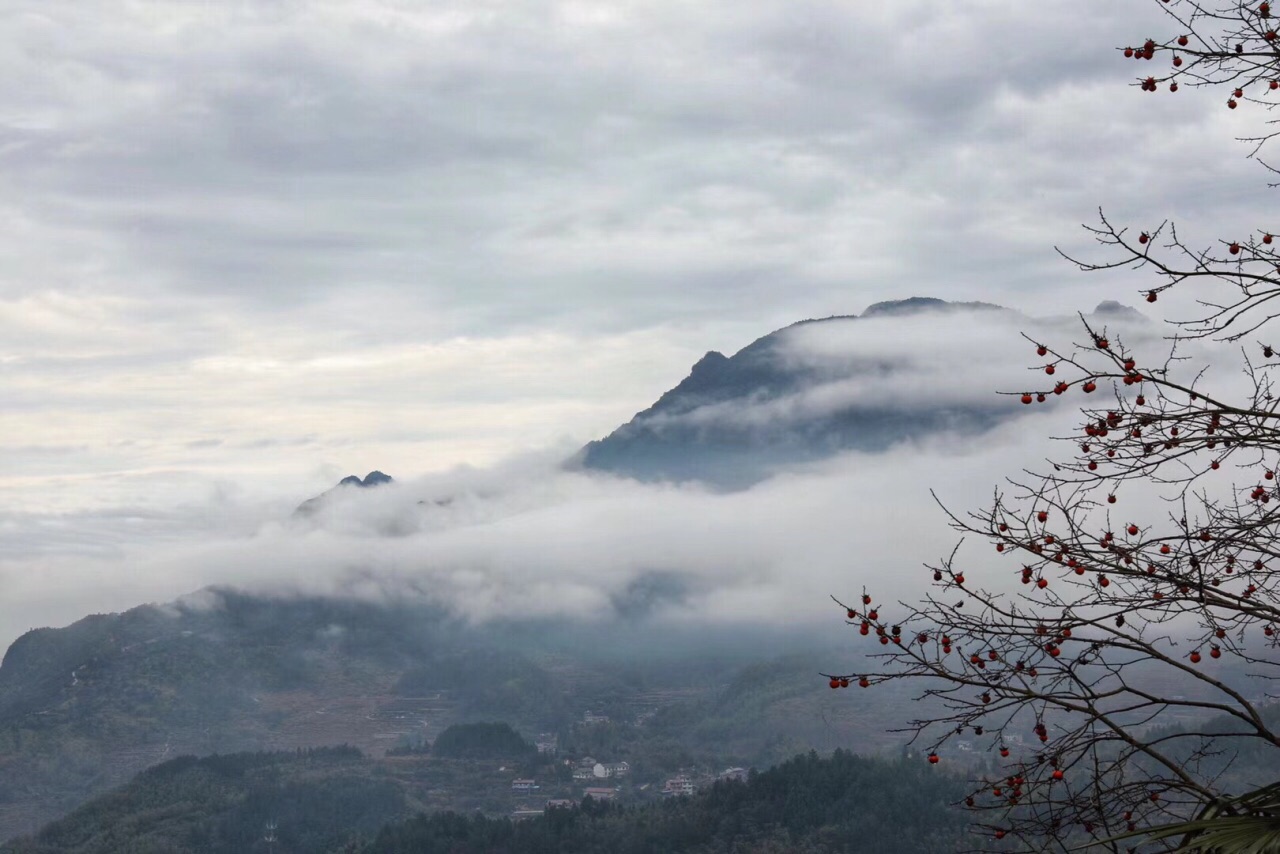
(1110, 311)
(83, 708)
(780, 401)
(372, 479)
(822, 387)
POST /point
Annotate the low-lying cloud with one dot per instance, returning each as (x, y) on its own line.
(530, 538)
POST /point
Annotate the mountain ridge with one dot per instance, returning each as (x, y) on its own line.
(679, 437)
(736, 420)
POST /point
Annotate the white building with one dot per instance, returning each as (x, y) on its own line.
(680, 786)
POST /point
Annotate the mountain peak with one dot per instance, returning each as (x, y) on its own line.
(372, 479)
(1112, 310)
(711, 361)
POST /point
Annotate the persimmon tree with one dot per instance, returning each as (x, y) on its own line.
(1118, 682)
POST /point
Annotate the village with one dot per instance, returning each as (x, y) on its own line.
(602, 780)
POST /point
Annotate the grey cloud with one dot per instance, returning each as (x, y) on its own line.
(473, 159)
(359, 235)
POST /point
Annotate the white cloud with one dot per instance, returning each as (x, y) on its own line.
(528, 538)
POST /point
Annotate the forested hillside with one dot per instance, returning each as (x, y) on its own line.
(307, 801)
(335, 800)
(809, 804)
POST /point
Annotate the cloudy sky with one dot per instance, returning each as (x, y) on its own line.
(248, 248)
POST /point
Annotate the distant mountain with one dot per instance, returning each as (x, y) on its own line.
(920, 305)
(372, 479)
(84, 707)
(1110, 310)
(735, 420)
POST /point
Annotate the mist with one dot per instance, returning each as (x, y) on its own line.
(530, 538)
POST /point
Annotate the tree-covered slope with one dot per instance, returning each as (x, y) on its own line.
(844, 803)
(335, 800)
(310, 801)
(82, 708)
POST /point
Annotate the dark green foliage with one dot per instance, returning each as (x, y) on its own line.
(317, 800)
(809, 804)
(481, 741)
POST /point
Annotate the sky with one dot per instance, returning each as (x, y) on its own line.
(250, 248)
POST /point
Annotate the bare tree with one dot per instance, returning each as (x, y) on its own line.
(1120, 682)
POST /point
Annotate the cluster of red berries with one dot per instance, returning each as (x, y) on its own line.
(1260, 494)
(843, 682)
(1147, 51)
(1089, 386)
